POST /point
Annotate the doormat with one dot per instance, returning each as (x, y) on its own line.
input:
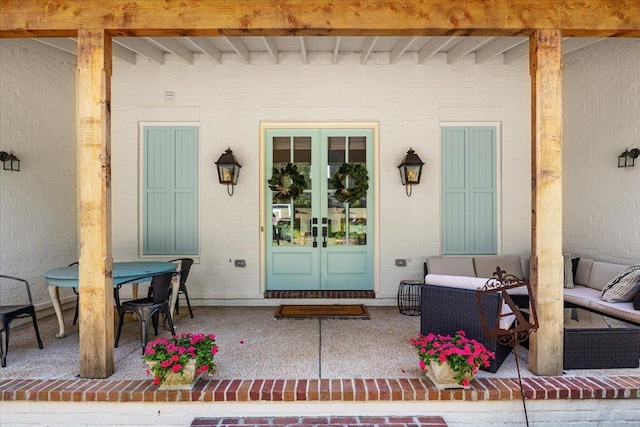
(329, 311)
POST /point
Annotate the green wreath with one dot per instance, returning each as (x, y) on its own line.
(287, 183)
(360, 180)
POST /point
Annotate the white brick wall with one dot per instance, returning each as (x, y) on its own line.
(38, 204)
(602, 117)
(410, 101)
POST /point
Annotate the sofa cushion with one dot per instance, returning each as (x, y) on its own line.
(452, 266)
(461, 282)
(623, 287)
(602, 273)
(621, 310)
(568, 272)
(581, 295)
(583, 271)
(485, 266)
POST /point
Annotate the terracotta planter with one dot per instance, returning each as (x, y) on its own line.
(442, 376)
(184, 380)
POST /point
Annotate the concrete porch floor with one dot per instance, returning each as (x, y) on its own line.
(344, 363)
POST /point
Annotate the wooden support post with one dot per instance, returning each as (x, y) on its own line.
(545, 56)
(94, 180)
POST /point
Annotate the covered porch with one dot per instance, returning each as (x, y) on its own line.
(543, 25)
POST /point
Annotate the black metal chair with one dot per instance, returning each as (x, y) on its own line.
(10, 312)
(148, 309)
(185, 266)
(75, 291)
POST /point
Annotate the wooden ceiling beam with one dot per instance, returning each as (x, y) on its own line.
(148, 18)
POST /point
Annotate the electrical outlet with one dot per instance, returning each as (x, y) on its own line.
(240, 263)
(401, 262)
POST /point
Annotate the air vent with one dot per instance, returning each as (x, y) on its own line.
(169, 95)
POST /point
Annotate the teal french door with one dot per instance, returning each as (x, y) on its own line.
(315, 242)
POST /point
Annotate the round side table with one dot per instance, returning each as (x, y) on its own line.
(409, 297)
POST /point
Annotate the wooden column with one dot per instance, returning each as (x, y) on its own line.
(545, 56)
(94, 180)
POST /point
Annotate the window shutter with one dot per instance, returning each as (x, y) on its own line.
(469, 190)
(170, 190)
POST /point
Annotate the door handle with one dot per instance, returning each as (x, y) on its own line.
(314, 233)
(324, 236)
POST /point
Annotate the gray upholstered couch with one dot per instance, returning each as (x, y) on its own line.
(590, 278)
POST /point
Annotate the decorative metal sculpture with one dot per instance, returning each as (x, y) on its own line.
(502, 282)
(513, 336)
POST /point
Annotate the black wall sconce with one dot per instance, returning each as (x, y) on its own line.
(628, 158)
(410, 170)
(228, 170)
(9, 161)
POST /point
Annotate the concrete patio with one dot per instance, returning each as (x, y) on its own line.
(269, 367)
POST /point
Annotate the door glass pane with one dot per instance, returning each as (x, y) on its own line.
(281, 151)
(291, 220)
(336, 155)
(337, 226)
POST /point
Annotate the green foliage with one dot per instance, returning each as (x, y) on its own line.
(360, 179)
(287, 183)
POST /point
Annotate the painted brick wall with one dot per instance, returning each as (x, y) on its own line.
(602, 117)
(38, 204)
(410, 101)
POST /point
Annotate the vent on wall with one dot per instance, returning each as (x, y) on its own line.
(169, 95)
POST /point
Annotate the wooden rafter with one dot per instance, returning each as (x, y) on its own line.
(146, 18)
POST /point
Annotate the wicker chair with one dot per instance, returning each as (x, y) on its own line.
(446, 310)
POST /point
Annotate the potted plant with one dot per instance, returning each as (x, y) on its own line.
(178, 362)
(451, 362)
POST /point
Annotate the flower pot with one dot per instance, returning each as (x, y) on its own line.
(442, 376)
(184, 380)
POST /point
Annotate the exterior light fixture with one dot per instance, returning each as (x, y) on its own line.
(9, 161)
(228, 170)
(628, 158)
(410, 170)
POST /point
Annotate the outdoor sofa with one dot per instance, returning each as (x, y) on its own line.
(584, 280)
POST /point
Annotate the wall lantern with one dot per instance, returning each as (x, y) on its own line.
(628, 158)
(9, 161)
(228, 170)
(410, 170)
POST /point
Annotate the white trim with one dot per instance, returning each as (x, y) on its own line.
(140, 200)
(375, 127)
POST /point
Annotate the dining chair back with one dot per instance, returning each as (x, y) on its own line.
(10, 312)
(147, 309)
(185, 267)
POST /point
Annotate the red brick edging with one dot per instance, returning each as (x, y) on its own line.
(348, 390)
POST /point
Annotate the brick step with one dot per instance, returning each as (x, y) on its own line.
(333, 421)
(320, 294)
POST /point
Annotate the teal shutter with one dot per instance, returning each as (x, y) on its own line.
(170, 187)
(469, 190)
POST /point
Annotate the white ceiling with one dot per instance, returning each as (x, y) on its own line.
(483, 49)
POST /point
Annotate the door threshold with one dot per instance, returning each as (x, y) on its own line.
(319, 294)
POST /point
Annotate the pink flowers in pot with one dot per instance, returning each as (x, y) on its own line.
(172, 354)
(463, 355)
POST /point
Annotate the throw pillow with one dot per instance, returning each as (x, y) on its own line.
(624, 286)
(574, 268)
(568, 272)
(636, 301)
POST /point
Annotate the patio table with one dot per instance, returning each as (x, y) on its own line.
(68, 277)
